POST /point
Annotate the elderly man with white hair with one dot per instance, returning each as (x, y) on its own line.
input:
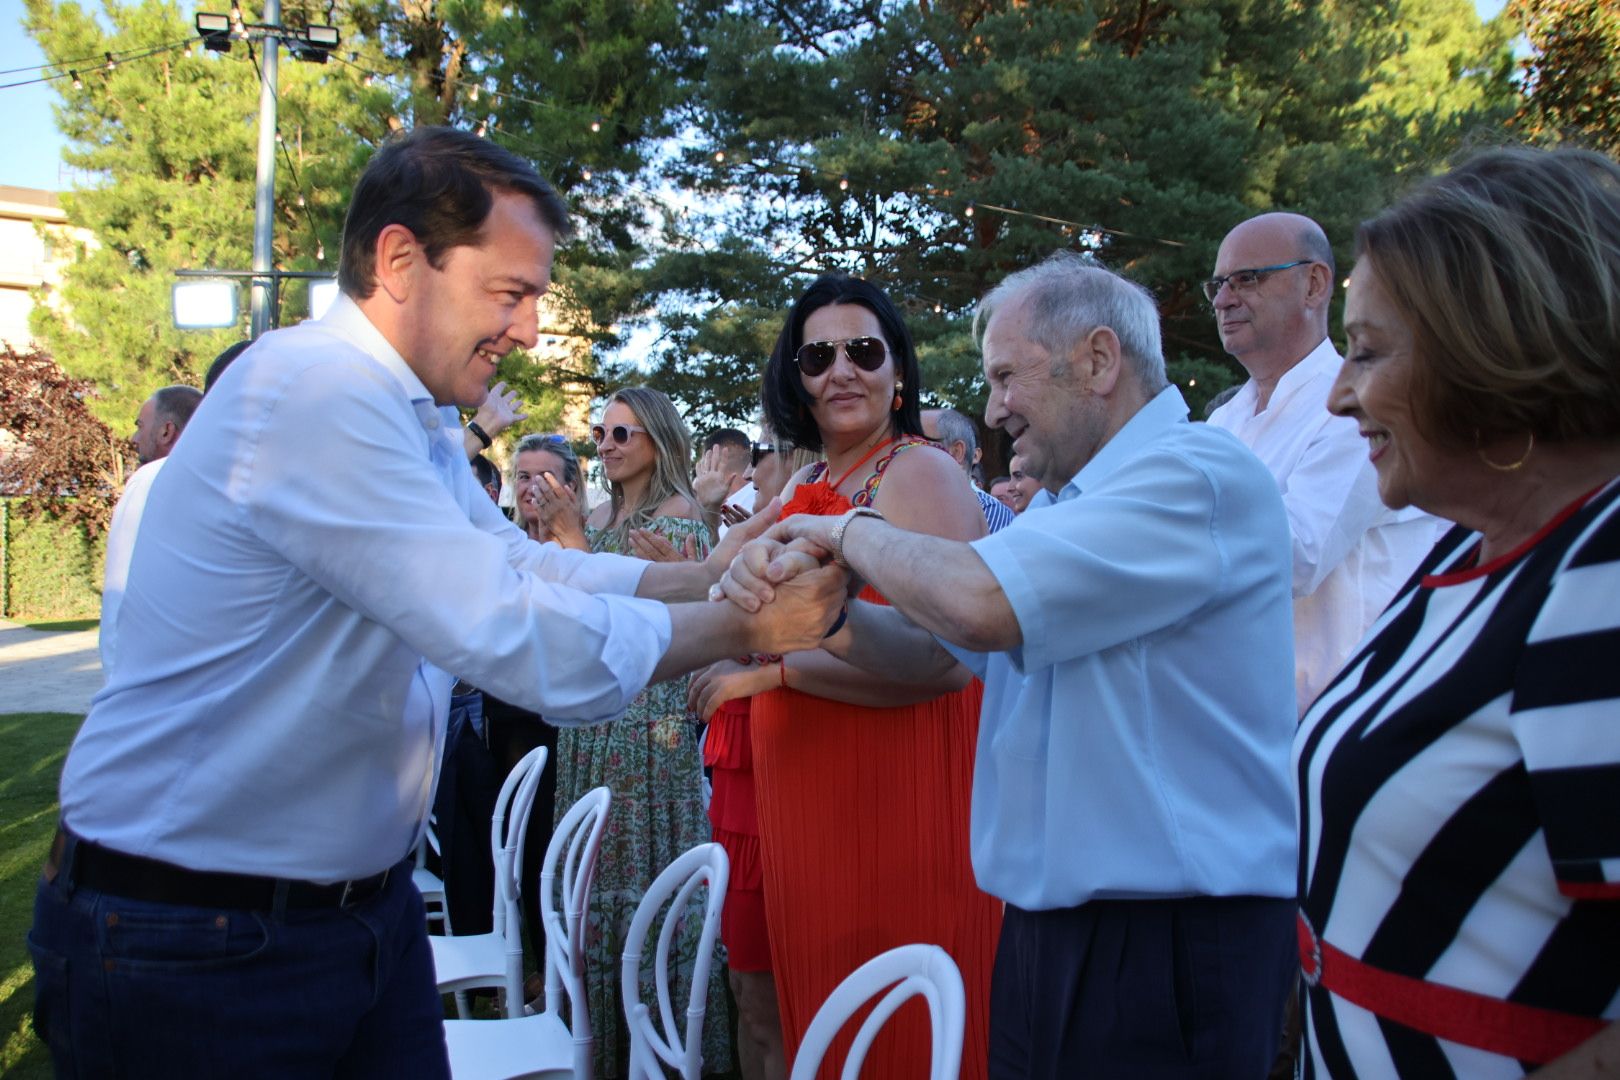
(1130, 801)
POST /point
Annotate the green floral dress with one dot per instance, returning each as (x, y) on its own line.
(652, 762)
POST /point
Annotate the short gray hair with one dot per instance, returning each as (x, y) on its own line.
(954, 428)
(176, 404)
(1069, 296)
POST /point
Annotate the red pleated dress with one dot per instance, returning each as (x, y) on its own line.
(863, 828)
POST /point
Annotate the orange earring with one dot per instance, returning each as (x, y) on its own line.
(898, 400)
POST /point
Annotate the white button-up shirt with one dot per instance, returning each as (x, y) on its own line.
(1351, 552)
(126, 522)
(314, 558)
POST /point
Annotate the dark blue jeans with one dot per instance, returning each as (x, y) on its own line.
(128, 988)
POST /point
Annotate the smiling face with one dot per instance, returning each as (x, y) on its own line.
(631, 460)
(457, 320)
(1055, 423)
(1374, 388)
(527, 470)
(849, 404)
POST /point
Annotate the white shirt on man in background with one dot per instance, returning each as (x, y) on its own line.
(1351, 552)
(126, 522)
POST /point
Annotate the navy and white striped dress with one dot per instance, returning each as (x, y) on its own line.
(1459, 795)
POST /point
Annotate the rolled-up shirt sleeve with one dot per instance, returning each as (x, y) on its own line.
(358, 508)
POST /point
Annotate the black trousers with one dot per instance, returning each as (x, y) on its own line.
(1138, 989)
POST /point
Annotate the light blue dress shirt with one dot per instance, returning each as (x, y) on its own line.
(313, 560)
(1136, 746)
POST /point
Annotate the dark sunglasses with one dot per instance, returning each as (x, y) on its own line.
(757, 451)
(866, 353)
(621, 433)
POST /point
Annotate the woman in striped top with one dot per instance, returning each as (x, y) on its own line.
(1459, 782)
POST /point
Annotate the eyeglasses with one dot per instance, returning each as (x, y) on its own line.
(621, 433)
(1244, 280)
(866, 353)
(759, 450)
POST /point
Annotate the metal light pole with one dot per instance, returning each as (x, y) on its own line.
(265, 198)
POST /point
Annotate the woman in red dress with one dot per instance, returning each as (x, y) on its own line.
(864, 783)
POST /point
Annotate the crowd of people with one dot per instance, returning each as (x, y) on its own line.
(1265, 745)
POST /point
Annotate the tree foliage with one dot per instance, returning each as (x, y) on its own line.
(935, 147)
(64, 462)
(1572, 75)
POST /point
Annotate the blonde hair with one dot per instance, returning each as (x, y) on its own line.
(672, 446)
(1507, 269)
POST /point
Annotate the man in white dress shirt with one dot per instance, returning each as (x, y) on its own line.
(228, 894)
(157, 427)
(1273, 283)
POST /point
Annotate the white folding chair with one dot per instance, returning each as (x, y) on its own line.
(429, 884)
(542, 1044)
(496, 958)
(917, 969)
(651, 1042)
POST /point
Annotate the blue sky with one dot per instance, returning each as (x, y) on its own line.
(33, 157)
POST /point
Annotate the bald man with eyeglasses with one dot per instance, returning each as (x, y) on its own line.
(1273, 283)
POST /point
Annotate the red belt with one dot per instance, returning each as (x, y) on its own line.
(1524, 1032)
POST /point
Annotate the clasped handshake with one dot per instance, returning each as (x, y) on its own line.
(788, 563)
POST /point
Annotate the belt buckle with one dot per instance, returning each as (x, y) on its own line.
(1310, 950)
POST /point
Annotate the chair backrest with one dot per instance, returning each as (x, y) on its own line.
(513, 804)
(567, 874)
(705, 864)
(905, 971)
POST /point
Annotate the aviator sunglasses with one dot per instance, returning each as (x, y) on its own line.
(866, 353)
(621, 433)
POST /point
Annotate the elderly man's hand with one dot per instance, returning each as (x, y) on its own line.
(803, 610)
(752, 579)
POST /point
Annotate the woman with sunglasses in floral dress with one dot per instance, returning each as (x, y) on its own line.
(650, 758)
(863, 782)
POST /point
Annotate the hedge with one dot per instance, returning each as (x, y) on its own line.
(53, 569)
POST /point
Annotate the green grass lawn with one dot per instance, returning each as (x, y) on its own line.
(32, 746)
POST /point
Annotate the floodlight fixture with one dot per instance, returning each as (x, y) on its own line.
(204, 304)
(215, 31)
(321, 295)
(312, 43)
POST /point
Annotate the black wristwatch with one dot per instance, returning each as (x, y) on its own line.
(479, 433)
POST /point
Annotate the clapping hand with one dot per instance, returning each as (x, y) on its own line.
(500, 410)
(646, 544)
(558, 509)
(712, 483)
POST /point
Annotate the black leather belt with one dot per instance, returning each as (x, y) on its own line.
(137, 878)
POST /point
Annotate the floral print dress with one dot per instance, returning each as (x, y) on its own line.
(651, 760)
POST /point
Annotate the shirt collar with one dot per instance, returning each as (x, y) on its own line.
(345, 317)
(1167, 409)
(1323, 358)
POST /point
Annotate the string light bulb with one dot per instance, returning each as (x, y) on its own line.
(585, 173)
(368, 80)
(969, 211)
(320, 252)
(939, 309)
(596, 125)
(111, 63)
(843, 183)
(482, 129)
(719, 156)
(474, 93)
(78, 83)
(301, 201)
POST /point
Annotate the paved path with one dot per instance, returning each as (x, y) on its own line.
(47, 670)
